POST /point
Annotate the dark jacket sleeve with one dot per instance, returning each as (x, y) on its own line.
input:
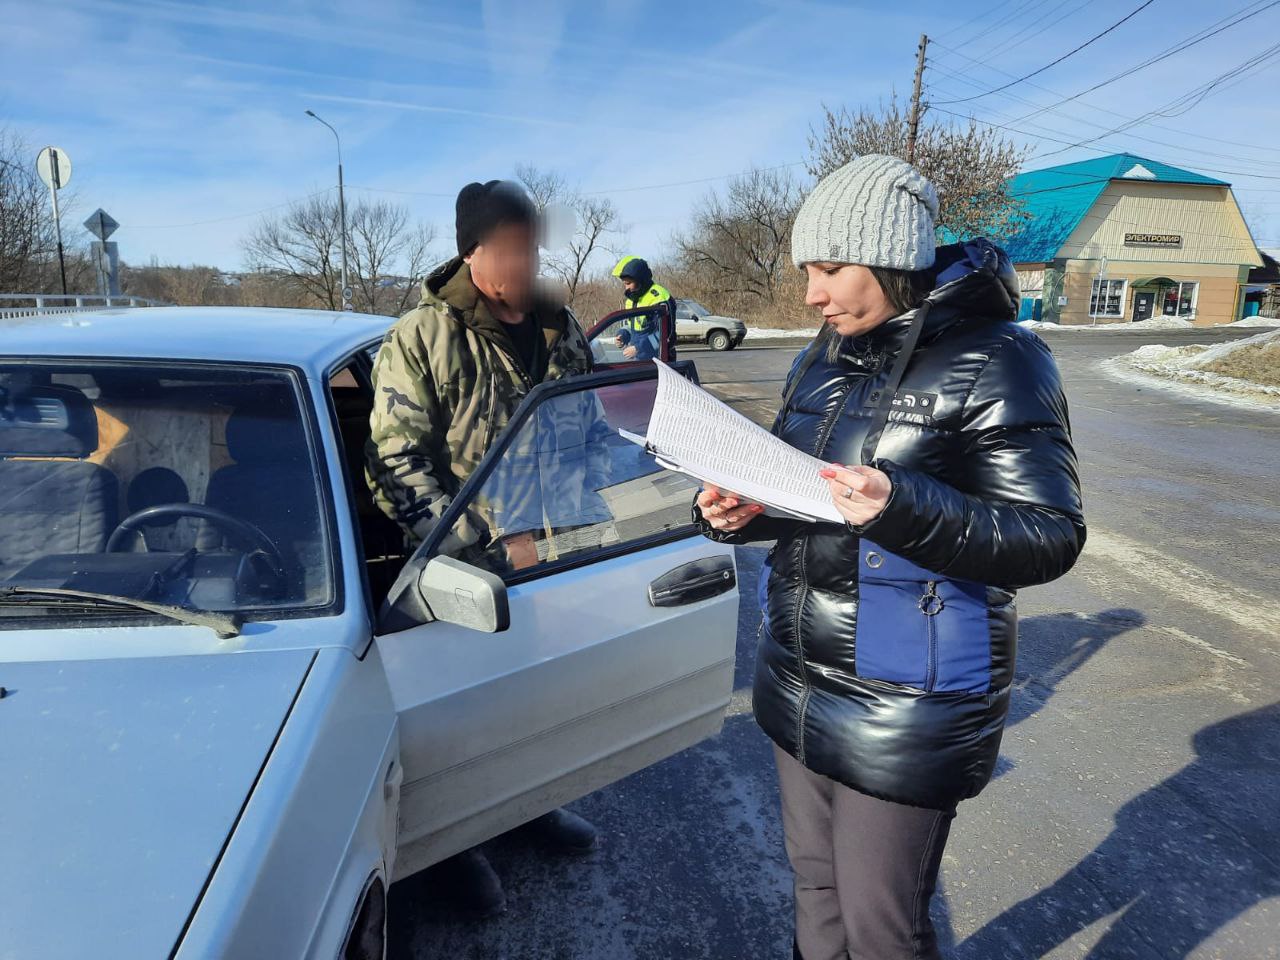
(759, 530)
(1011, 514)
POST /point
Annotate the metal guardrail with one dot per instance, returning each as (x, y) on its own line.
(14, 305)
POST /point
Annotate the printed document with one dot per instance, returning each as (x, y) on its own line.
(694, 433)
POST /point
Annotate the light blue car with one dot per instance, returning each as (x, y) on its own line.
(233, 711)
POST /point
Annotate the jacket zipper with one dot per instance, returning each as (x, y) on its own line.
(493, 410)
(803, 703)
(824, 435)
(931, 605)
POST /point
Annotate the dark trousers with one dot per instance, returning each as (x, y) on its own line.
(865, 869)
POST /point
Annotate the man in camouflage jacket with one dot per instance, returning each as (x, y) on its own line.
(448, 378)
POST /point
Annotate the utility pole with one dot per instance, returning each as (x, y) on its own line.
(915, 100)
(342, 215)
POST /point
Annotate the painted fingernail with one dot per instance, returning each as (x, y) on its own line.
(757, 508)
(827, 472)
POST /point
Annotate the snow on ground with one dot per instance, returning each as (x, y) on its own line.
(774, 333)
(1254, 322)
(1183, 369)
(1155, 323)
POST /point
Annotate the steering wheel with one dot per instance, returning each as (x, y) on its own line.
(239, 529)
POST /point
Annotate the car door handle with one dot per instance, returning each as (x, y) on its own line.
(693, 581)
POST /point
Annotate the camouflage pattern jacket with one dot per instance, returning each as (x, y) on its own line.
(447, 380)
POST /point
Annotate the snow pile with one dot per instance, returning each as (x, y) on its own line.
(1189, 365)
(775, 333)
(1254, 322)
(1116, 326)
(1155, 323)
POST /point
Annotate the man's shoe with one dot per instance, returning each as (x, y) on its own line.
(472, 884)
(563, 832)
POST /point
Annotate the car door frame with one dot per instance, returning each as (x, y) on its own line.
(667, 331)
(681, 692)
(400, 611)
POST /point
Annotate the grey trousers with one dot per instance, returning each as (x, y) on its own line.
(865, 869)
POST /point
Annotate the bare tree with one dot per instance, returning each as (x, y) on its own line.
(301, 247)
(28, 242)
(189, 286)
(382, 243)
(740, 242)
(544, 187)
(968, 163)
(596, 220)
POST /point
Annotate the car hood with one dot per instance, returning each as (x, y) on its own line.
(727, 321)
(122, 780)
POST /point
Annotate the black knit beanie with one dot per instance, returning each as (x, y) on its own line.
(483, 206)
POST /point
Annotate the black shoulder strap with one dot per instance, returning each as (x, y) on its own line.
(890, 389)
(811, 354)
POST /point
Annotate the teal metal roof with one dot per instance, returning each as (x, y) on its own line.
(1057, 198)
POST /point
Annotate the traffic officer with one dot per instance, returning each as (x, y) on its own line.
(640, 337)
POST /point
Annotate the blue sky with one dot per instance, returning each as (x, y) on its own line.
(184, 119)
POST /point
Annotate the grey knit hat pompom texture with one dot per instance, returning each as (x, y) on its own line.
(876, 210)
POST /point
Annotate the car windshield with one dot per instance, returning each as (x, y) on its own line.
(695, 308)
(191, 486)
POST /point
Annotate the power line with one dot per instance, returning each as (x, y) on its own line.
(1186, 43)
(1024, 14)
(974, 20)
(1070, 53)
(609, 191)
(1177, 48)
(234, 216)
(1234, 156)
(1029, 32)
(1185, 102)
(1070, 144)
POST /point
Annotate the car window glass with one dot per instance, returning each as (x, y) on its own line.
(195, 486)
(635, 335)
(569, 486)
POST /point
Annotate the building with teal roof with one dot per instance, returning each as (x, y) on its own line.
(1124, 238)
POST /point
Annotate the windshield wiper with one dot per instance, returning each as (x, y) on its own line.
(223, 624)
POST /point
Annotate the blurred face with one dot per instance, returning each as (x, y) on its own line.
(629, 286)
(848, 296)
(504, 266)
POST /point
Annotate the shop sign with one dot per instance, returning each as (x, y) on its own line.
(1152, 240)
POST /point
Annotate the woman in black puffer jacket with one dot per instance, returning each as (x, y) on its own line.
(887, 644)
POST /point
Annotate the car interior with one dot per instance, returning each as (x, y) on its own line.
(175, 486)
(383, 543)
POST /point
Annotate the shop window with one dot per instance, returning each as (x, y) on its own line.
(1180, 301)
(1107, 299)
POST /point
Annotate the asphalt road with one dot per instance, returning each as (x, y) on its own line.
(1134, 814)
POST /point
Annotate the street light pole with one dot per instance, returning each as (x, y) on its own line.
(342, 214)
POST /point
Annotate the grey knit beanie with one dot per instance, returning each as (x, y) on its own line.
(877, 211)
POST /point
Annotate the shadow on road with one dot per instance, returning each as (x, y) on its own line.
(1184, 859)
(692, 864)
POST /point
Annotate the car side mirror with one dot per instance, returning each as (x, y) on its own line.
(458, 593)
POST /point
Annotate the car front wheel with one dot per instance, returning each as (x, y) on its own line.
(719, 340)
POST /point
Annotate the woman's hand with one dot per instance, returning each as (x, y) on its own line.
(726, 511)
(860, 493)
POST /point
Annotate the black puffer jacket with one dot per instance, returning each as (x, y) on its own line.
(887, 653)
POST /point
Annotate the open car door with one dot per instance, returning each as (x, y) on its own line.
(634, 336)
(581, 630)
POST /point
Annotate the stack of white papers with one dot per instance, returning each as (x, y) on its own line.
(694, 433)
